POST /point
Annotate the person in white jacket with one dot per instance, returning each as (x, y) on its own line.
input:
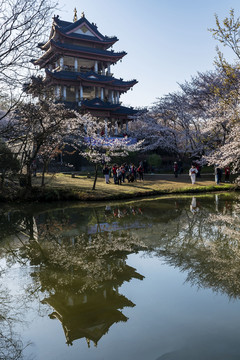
(192, 173)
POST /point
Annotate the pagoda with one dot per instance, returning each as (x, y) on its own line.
(77, 63)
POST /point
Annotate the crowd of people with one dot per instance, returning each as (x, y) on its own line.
(130, 173)
(219, 172)
(123, 173)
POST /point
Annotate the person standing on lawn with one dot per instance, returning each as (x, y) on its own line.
(175, 169)
(106, 173)
(192, 173)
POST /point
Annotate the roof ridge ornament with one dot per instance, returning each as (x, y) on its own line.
(83, 15)
(75, 15)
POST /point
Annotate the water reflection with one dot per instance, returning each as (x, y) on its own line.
(205, 245)
(78, 256)
(11, 344)
(78, 273)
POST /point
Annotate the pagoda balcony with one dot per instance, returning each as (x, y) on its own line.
(71, 68)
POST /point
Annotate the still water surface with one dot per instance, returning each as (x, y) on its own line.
(155, 279)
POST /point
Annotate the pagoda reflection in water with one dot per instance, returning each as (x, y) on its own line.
(91, 314)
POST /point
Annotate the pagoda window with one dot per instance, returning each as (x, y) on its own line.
(69, 63)
(70, 93)
(88, 92)
(85, 65)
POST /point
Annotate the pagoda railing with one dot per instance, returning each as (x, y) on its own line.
(71, 68)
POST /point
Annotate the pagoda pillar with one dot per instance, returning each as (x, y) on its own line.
(61, 62)
(121, 125)
(96, 66)
(76, 94)
(57, 91)
(81, 92)
(117, 95)
(64, 92)
(116, 128)
(102, 94)
(112, 97)
(76, 64)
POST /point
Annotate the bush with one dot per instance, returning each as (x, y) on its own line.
(8, 161)
(154, 161)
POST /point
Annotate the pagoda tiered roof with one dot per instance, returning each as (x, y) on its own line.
(115, 110)
(90, 78)
(58, 48)
(91, 320)
(103, 108)
(99, 104)
(67, 29)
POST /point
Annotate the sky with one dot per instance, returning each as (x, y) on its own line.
(167, 41)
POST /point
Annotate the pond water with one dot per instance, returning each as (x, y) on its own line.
(155, 279)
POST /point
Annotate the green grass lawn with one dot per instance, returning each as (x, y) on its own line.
(81, 186)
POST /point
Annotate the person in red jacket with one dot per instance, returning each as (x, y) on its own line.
(114, 171)
(175, 169)
(140, 172)
(227, 174)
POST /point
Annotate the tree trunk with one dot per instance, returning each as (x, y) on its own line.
(29, 176)
(43, 173)
(3, 177)
(95, 179)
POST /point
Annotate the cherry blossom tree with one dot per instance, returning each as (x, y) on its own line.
(227, 151)
(154, 133)
(23, 24)
(39, 130)
(175, 124)
(98, 149)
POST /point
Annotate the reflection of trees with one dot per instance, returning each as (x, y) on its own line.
(79, 256)
(207, 246)
(11, 345)
(78, 274)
